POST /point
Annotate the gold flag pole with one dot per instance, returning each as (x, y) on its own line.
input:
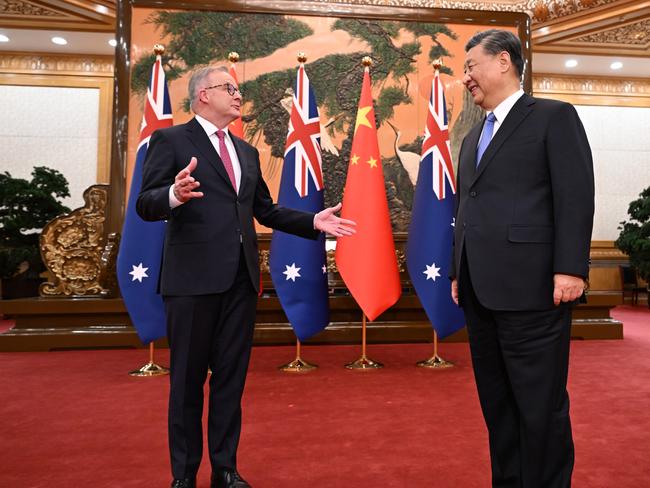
(151, 368)
(298, 365)
(435, 361)
(364, 362)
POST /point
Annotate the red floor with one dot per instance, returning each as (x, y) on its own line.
(76, 419)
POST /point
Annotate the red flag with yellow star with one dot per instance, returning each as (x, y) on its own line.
(236, 126)
(366, 260)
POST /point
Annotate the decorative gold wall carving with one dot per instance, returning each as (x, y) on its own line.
(74, 252)
(331, 261)
(95, 15)
(594, 90)
(15, 7)
(636, 34)
(33, 63)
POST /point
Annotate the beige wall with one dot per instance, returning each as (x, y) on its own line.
(54, 127)
(620, 144)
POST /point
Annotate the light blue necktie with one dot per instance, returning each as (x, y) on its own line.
(486, 137)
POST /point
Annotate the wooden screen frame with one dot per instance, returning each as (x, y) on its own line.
(404, 12)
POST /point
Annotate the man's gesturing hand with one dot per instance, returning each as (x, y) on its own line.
(326, 221)
(185, 184)
(567, 288)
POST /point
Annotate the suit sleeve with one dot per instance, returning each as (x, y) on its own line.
(158, 174)
(272, 215)
(452, 266)
(572, 184)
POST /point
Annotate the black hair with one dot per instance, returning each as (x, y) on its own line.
(495, 41)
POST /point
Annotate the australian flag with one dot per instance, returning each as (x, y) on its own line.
(140, 255)
(428, 251)
(297, 265)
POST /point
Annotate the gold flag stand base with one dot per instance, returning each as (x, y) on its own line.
(151, 368)
(435, 361)
(298, 365)
(364, 363)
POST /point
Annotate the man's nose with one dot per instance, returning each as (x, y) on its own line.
(466, 78)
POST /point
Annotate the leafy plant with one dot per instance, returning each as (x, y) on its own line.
(25, 208)
(634, 239)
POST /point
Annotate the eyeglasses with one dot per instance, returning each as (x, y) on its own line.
(230, 88)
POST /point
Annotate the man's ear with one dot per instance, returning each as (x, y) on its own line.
(505, 63)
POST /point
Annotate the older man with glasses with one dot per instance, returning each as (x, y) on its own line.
(208, 185)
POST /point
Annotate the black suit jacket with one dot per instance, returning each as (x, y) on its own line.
(527, 211)
(205, 235)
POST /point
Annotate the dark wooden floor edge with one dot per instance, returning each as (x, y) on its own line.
(120, 336)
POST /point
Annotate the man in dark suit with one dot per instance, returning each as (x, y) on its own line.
(524, 216)
(210, 271)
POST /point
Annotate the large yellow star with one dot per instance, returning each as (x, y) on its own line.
(372, 162)
(362, 118)
(354, 159)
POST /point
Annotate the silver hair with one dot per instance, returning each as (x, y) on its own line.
(197, 79)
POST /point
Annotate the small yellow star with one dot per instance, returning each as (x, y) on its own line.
(362, 118)
(372, 162)
(354, 159)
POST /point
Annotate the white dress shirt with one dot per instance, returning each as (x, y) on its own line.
(501, 111)
(211, 129)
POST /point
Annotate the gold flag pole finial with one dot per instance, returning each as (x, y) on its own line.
(302, 57)
(437, 64)
(233, 56)
(366, 61)
(158, 49)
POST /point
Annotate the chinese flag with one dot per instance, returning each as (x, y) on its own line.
(236, 126)
(366, 260)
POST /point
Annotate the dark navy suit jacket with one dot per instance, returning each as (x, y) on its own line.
(527, 211)
(206, 235)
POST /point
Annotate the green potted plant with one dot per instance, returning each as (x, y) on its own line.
(634, 239)
(25, 208)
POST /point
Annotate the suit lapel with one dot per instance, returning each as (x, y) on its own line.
(467, 163)
(202, 142)
(516, 116)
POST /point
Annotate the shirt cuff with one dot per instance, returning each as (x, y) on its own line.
(173, 201)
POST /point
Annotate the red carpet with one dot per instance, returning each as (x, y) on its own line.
(76, 419)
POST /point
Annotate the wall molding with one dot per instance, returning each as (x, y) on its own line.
(593, 90)
(57, 64)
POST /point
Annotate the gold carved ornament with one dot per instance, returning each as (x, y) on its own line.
(74, 252)
(331, 261)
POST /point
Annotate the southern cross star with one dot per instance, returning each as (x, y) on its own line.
(432, 272)
(292, 272)
(139, 272)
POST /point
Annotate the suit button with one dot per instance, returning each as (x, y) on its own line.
(472, 194)
(464, 225)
